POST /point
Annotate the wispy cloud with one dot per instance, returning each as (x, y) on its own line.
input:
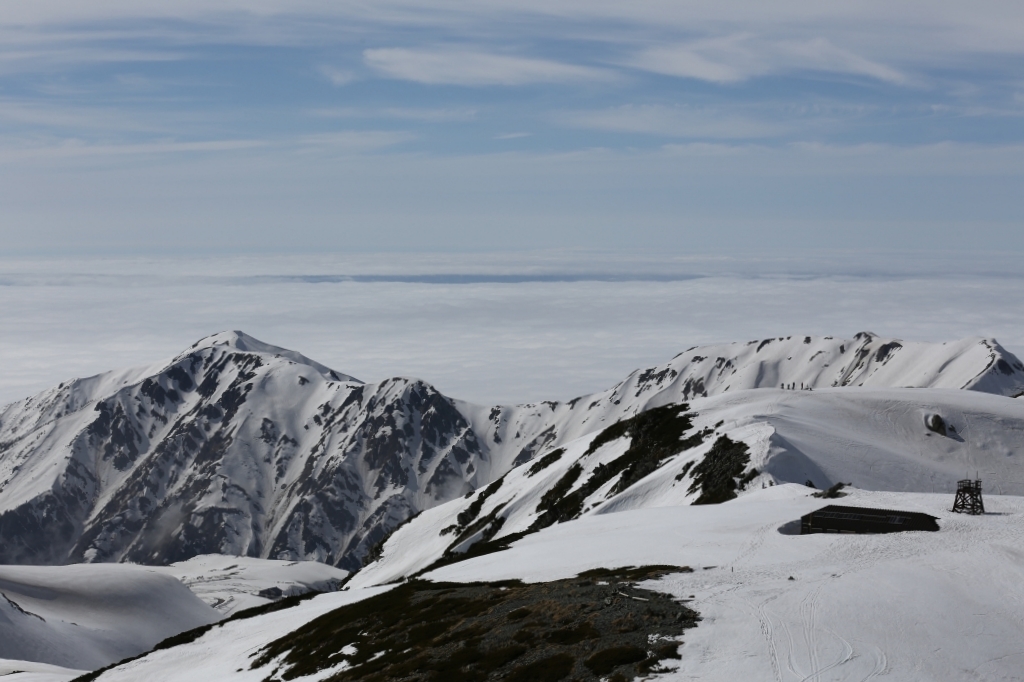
(444, 66)
(71, 148)
(337, 77)
(68, 117)
(48, 57)
(426, 115)
(677, 121)
(738, 57)
(357, 140)
(14, 149)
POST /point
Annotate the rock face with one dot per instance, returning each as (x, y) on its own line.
(238, 447)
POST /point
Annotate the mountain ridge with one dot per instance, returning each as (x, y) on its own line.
(239, 447)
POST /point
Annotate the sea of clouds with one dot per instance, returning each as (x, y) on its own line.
(490, 328)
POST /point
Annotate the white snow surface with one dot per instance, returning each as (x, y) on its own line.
(230, 583)
(904, 606)
(934, 606)
(873, 438)
(29, 671)
(88, 616)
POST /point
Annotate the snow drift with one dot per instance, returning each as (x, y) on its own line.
(85, 617)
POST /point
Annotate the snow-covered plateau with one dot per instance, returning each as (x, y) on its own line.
(231, 467)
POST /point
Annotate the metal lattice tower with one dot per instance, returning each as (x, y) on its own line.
(968, 497)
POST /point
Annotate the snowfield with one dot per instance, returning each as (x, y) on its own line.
(230, 583)
(28, 671)
(905, 606)
(224, 653)
(86, 616)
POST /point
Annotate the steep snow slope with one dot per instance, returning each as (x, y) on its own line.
(241, 448)
(85, 617)
(907, 606)
(874, 439)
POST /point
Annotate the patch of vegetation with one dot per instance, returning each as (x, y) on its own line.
(376, 551)
(447, 632)
(490, 525)
(550, 669)
(545, 461)
(606, 661)
(655, 435)
(686, 469)
(469, 514)
(634, 573)
(716, 475)
(747, 478)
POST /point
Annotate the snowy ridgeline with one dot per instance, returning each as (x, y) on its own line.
(236, 447)
(657, 470)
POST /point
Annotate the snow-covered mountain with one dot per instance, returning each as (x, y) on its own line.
(714, 449)
(242, 448)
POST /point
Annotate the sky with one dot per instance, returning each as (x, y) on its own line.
(415, 126)
(514, 200)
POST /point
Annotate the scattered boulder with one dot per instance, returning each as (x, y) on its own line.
(935, 424)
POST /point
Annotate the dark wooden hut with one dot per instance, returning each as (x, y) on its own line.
(839, 519)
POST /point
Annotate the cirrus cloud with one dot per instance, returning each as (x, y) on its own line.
(472, 67)
(735, 58)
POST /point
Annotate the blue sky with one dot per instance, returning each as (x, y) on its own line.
(429, 125)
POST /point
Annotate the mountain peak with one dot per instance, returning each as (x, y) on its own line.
(244, 343)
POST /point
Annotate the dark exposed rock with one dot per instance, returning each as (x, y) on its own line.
(474, 632)
(936, 424)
